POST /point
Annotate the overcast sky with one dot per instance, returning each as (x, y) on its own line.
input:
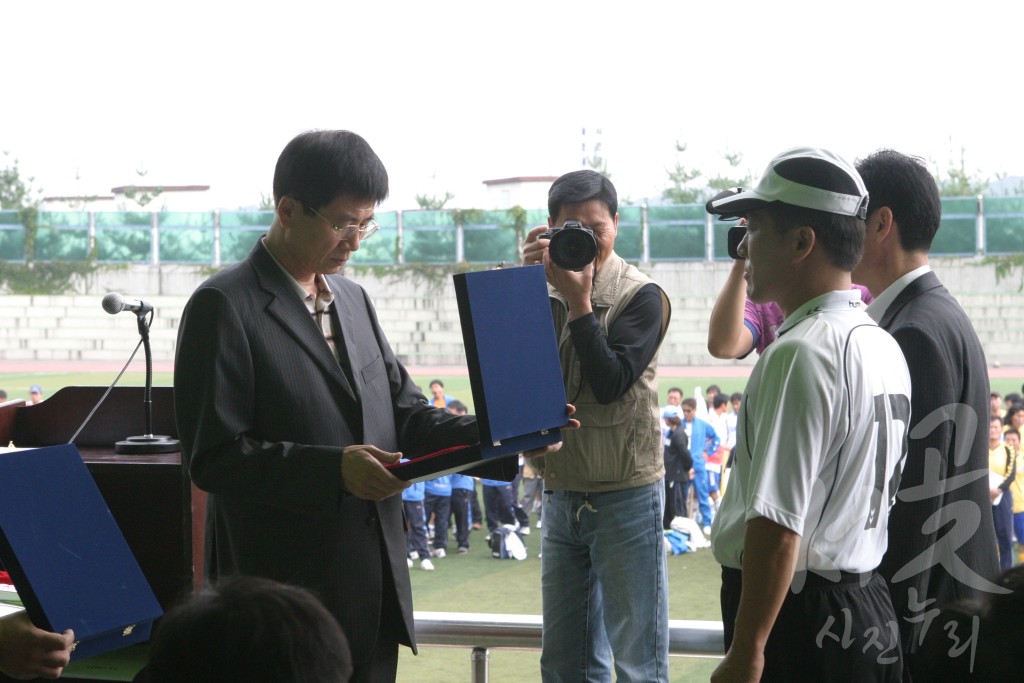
(450, 94)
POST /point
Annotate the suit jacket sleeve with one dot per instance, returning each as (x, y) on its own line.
(228, 445)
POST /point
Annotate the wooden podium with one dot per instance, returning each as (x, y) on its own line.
(150, 497)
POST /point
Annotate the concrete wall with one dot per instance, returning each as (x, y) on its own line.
(422, 322)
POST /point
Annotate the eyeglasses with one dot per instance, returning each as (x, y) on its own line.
(348, 231)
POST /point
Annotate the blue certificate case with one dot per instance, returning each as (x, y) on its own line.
(66, 555)
(514, 371)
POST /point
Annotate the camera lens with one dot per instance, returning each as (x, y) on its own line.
(573, 248)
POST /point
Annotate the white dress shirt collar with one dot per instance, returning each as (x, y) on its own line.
(881, 304)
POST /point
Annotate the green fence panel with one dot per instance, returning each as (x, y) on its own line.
(236, 243)
(12, 237)
(490, 237)
(12, 243)
(489, 244)
(382, 248)
(676, 233)
(1004, 225)
(63, 236)
(428, 219)
(251, 220)
(239, 231)
(429, 237)
(186, 237)
(957, 235)
(535, 218)
(123, 236)
(629, 243)
(429, 245)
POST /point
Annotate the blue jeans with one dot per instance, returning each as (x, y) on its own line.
(603, 580)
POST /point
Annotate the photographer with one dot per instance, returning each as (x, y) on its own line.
(605, 499)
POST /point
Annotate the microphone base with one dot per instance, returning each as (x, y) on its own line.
(148, 444)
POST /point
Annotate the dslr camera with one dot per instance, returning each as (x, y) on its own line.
(736, 235)
(572, 246)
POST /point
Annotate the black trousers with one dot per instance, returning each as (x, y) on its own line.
(833, 631)
(461, 512)
(498, 506)
(382, 664)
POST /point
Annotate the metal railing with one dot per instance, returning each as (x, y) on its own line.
(482, 632)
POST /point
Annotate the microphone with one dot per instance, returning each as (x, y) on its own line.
(114, 303)
(149, 442)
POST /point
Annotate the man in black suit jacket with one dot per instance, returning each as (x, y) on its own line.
(290, 402)
(678, 463)
(941, 538)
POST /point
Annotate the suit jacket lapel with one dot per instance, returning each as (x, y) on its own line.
(284, 306)
(341, 312)
(926, 282)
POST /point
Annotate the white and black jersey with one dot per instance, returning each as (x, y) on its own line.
(821, 439)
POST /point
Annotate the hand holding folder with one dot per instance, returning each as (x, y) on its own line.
(30, 652)
(66, 555)
(573, 423)
(363, 476)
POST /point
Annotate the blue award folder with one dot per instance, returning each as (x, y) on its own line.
(514, 371)
(66, 555)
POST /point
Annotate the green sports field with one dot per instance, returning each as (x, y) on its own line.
(475, 582)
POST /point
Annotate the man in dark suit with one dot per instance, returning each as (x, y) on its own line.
(290, 402)
(678, 463)
(941, 539)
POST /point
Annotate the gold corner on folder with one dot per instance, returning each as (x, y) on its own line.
(128, 630)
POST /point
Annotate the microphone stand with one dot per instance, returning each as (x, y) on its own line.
(148, 443)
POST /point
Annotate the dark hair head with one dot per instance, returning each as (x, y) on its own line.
(904, 184)
(719, 400)
(690, 403)
(1012, 397)
(250, 629)
(1013, 410)
(457, 407)
(437, 382)
(713, 388)
(736, 396)
(319, 166)
(841, 237)
(675, 389)
(577, 187)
